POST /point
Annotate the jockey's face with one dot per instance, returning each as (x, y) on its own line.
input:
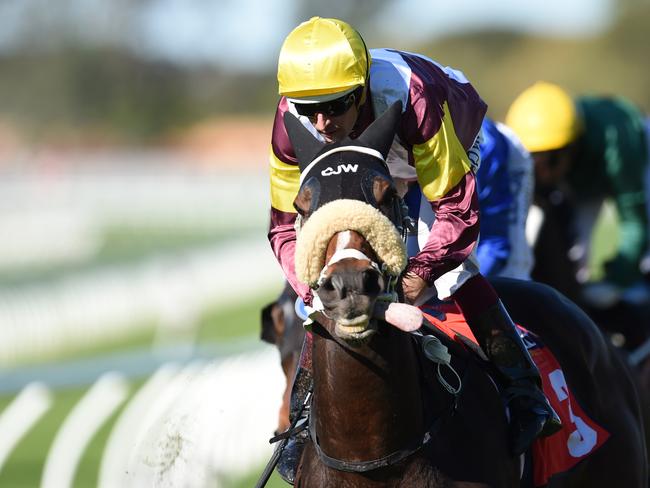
(334, 128)
(551, 167)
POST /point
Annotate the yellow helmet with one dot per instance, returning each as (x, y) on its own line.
(544, 117)
(322, 57)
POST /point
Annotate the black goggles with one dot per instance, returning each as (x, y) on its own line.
(333, 108)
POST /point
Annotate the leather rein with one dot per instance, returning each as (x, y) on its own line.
(389, 459)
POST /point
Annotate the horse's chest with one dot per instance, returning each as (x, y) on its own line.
(415, 472)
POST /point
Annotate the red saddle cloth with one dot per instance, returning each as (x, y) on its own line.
(579, 437)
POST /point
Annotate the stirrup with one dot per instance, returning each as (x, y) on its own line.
(531, 416)
(292, 451)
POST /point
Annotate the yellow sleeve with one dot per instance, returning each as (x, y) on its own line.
(285, 182)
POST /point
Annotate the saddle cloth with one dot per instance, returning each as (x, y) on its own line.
(579, 437)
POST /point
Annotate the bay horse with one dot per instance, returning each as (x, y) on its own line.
(282, 327)
(380, 416)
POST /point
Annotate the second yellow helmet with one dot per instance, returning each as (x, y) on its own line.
(544, 117)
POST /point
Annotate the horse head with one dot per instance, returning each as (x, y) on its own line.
(349, 246)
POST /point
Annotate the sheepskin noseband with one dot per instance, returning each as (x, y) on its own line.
(342, 215)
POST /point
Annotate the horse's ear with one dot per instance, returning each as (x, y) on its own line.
(305, 145)
(268, 324)
(380, 134)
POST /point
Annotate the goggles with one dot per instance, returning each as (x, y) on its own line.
(332, 108)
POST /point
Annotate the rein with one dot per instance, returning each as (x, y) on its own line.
(389, 459)
(390, 295)
(382, 462)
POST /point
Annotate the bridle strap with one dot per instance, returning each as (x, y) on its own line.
(382, 462)
(347, 253)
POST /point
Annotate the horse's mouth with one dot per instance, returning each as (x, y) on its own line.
(357, 329)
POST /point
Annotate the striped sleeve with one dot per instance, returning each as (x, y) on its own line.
(284, 179)
(441, 124)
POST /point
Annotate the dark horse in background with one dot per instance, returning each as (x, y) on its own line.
(552, 242)
(382, 418)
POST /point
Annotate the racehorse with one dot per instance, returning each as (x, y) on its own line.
(283, 328)
(380, 416)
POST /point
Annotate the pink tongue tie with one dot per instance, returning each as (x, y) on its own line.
(405, 317)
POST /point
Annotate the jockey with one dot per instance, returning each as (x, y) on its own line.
(596, 147)
(505, 190)
(504, 183)
(337, 87)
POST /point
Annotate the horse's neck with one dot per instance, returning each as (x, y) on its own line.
(367, 400)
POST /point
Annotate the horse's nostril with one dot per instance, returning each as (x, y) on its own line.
(327, 284)
(334, 283)
(371, 282)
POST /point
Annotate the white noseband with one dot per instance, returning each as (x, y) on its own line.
(346, 254)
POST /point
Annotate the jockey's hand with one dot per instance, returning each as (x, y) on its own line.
(412, 286)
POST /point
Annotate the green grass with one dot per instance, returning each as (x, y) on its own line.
(122, 245)
(25, 464)
(221, 324)
(88, 469)
(217, 324)
(142, 336)
(24, 467)
(128, 243)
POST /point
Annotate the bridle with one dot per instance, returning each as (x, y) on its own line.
(398, 455)
(391, 458)
(390, 282)
(397, 213)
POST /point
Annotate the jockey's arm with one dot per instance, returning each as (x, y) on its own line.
(441, 126)
(445, 175)
(285, 177)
